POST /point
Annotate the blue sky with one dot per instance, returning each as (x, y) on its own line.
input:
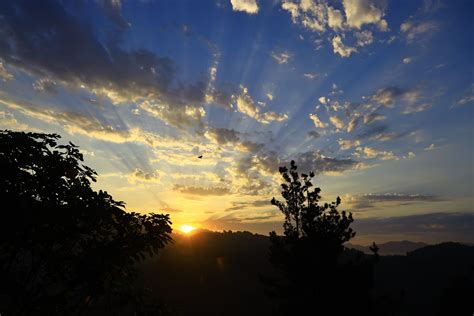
(375, 96)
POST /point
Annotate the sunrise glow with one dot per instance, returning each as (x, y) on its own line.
(187, 229)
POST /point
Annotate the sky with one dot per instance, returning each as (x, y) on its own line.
(375, 97)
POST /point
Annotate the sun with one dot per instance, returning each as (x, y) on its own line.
(186, 228)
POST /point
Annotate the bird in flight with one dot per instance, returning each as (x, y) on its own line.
(200, 157)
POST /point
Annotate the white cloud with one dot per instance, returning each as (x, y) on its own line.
(310, 76)
(322, 100)
(318, 16)
(310, 14)
(407, 60)
(248, 6)
(431, 147)
(341, 49)
(466, 100)
(246, 105)
(270, 96)
(364, 38)
(317, 122)
(45, 85)
(360, 12)
(281, 58)
(413, 31)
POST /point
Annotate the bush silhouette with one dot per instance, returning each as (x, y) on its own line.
(63, 246)
(315, 275)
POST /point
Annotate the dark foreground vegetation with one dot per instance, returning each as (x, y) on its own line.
(66, 249)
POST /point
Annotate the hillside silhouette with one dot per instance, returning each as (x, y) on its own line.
(391, 248)
(218, 273)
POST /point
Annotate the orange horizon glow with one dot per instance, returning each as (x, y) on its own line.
(186, 228)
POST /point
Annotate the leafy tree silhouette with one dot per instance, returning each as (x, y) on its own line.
(315, 276)
(63, 246)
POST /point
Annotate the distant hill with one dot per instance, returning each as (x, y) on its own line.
(391, 247)
(210, 273)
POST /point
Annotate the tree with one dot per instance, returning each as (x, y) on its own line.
(314, 272)
(64, 246)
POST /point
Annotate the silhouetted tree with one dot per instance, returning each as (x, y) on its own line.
(315, 277)
(64, 246)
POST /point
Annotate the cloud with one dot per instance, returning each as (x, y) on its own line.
(317, 122)
(313, 135)
(270, 96)
(414, 31)
(318, 16)
(335, 19)
(102, 65)
(370, 153)
(364, 38)
(141, 175)
(231, 137)
(310, 76)
(322, 100)
(87, 125)
(247, 6)
(466, 100)
(415, 108)
(246, 105)
(45, 85)
(407, 60)
(373, 117)
(177, 117)
(371, 200)
(8, 121)
(239, 205)
(281, 57)
(361, 12)
(248, 146)
(261, 222)
(113, 10)
(319, 163)
(223, 136)
(250, 170)
(309, 14)
(430, 147)
(203, 191)
(353, 124)
(341, 49)
(346, 144)
(431, 228)
(337, 122)
(4, 74)
(388, 96)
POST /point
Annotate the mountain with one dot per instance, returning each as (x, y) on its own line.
(210, 273)
(391, 247)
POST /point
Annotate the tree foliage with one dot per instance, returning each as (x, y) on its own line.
(314, 273)
(64, 246)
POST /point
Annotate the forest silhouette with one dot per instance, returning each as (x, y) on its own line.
(66, 249)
